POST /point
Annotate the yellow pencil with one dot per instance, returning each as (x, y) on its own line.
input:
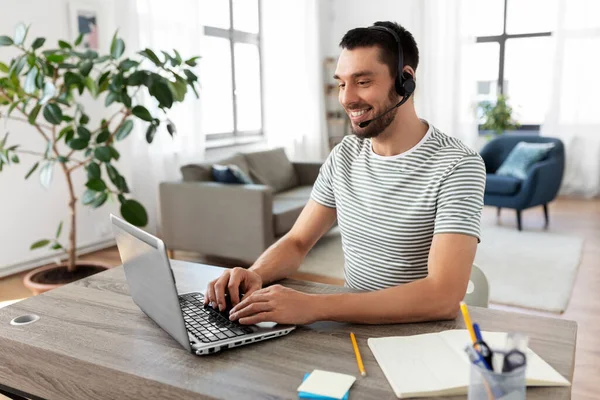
(361, 367)
(467, 318)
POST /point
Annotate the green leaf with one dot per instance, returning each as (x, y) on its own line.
(64, 45)
(32, 170)
(150, 55)
(160, 90)
(56, 246)
(178, 60)
(20, 33)
(190, 75)
(113, 174)
(125, 99)
(114, 153)
(192, 61)
(137, 78)
(52, 113)
(37, 43)
(12, 107)
(142, 113)
(100, 60)
(121, 198)
(3, 67)
(171, 128)
(97, 185)
(59, 230)
(93, 171)
(67, 66)
(17, 67)
(178, 89)
(124, 130)
(100, 200)
(123, 185)
(84, 133)
(127, 64)
(134, 213)
(34, 113)
(150, 132)
(103, 153)
(62, 159)
(90, 54)
(15, 158)
(29, 86)
(117, 47)
(5, 41)
(85, 68)
(103, 136)
(79, 39)
(110, 98)
(39, 243)
(39, 81)
(88, 196)
(46, 174)
(78, 143)
(55, 58)
(64, 132)
(84, 119)
(49, 92)
(3, 157)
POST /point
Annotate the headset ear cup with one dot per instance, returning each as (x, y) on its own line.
(399, 87)
(408, 84)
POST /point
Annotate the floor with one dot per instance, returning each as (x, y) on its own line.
(568, 216)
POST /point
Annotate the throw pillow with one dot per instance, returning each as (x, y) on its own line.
(522, 157)
(272, 168)
(230, 174)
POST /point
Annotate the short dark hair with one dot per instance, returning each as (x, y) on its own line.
(365, 37)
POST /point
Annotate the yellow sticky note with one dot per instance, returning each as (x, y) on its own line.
(327, 384)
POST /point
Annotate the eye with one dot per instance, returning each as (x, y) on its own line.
(341, 85)
(362, 83)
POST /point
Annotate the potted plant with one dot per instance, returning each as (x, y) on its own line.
(44, 88)
(497, 116)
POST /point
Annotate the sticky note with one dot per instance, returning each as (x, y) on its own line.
(306, 395)
(327, 384)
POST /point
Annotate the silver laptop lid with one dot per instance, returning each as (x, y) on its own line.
(150, 278)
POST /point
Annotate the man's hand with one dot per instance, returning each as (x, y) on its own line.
(234, 282)
(276, 304)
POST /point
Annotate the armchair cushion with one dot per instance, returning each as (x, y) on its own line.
(522, 157)
(287, 206)
(230, 174)
(504, 185)
(272, 168)
(204, 172)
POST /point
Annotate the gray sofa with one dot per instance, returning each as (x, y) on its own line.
(235, 221)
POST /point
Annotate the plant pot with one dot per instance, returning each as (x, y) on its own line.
(50, 277)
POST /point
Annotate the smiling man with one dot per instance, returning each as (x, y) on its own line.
(407, 198)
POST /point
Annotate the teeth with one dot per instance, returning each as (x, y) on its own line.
(358, 113)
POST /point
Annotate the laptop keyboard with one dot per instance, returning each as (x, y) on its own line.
(207, 324)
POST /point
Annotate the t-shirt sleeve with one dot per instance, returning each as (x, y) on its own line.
(322, 191)
(460, 199)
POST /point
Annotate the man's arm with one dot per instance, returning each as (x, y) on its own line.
(435, 297)
(285, 256)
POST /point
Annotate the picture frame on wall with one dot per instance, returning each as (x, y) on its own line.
(86, 17)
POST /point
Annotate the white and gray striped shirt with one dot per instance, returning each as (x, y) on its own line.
(389, 208)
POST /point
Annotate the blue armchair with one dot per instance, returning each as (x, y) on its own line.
(539, 188)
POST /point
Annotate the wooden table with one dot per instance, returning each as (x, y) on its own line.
(93, 342)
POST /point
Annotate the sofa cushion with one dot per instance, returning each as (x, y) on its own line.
(229, 174)
(272, 168)
(504, 185)
(203, 171)
(285, 214)
(299, 193)
(522, 157)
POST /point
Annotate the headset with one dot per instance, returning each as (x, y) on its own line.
(404, 82)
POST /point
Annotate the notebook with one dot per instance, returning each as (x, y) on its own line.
(435, 364)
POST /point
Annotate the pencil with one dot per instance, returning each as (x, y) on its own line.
(467, 318)
(361, 367)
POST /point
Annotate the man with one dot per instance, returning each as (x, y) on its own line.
(407, 198)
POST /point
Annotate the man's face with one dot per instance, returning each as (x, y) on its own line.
(366, 90)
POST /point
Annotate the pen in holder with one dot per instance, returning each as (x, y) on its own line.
(485, 383)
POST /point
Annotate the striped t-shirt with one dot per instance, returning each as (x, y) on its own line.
(389, 208)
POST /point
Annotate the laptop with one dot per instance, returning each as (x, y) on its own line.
(198, 328)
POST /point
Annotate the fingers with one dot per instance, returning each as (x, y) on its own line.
(252, 309)
(260, 317)
(210, 292)
(256, 297)
(234, 285)
(220, 287)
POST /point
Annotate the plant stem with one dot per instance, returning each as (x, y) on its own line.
(73, 231)
(25, 120)
(33, 153)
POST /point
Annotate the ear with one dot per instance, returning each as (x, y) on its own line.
(408, 69)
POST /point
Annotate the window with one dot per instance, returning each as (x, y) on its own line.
(514, 55)
(231, 72)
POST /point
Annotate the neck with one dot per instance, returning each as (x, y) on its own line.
(403, 133)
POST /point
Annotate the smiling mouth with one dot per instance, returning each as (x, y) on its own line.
(357, 115)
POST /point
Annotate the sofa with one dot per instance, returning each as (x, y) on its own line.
(541, 185)
(235, 221)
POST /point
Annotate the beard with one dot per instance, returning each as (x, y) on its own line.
(376, 127)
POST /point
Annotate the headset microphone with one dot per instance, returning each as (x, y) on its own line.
(366, 123)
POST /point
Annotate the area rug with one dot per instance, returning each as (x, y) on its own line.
(534, 270)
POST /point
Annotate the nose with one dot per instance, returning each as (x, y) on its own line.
(347, 96)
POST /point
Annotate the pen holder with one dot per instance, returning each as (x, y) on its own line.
(485, 384)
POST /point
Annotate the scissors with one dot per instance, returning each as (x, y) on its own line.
(513, 359)
(482, 347)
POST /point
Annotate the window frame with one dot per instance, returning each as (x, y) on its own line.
(501, 40)
(234, 36)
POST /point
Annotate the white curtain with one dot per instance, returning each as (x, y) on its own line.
(446, 86)
(574, 112)
(293, 81)
(166, 25)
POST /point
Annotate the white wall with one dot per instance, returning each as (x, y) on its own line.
(29, 212)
